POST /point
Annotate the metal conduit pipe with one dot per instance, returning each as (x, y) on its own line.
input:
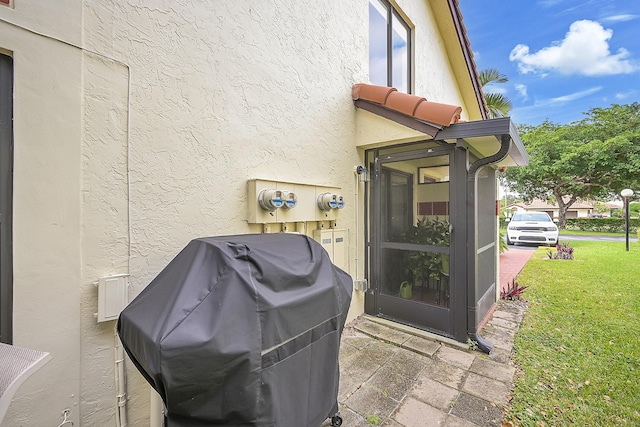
(472, 249)
(156, 416)
(121, 384)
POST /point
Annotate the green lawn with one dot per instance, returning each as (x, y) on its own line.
(594, 233)
(632, 234)
(579, 344)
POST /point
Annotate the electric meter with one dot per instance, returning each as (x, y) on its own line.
(290, 200)
(327, 201)
(270, 200)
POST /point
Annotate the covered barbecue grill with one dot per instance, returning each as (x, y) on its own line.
(242, 330)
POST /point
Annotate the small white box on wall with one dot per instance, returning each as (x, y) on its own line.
(113, 296)
(334, 241)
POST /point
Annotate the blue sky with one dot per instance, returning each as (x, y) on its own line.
(562, 57)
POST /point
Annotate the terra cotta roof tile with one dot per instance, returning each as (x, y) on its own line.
(409, 105)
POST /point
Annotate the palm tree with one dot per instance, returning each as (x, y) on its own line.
(499, 105)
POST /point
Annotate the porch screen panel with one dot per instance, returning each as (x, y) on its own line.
(414, 230)
(487, 232)
(486, 281)
(487, 219)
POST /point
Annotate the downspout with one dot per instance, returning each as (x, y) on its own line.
(472, 240)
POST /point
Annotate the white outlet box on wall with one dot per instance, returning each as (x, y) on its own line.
(113, 296)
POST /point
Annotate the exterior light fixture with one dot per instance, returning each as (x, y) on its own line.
(626, 193)
(363, 174)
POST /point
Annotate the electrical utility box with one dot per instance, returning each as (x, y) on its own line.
(335, 242)
(272, 202)
(112, 296)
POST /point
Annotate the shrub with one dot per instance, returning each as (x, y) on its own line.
(513, 292)
(563, 251)
(609, 225)
(503, 242)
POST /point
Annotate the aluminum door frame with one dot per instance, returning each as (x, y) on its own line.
(6, 199)
(449, 321)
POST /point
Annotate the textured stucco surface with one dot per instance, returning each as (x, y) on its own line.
(219, 96)
(143, 136)
(46, 222)
(105, 224)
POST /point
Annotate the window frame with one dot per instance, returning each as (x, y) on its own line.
(6, 198)
(393, 15)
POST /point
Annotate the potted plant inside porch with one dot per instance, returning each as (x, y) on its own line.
(423, 266)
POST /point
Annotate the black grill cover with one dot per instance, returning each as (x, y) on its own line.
(243, 331)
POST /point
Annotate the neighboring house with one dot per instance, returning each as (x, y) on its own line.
(613, 207)
(580, 209)
(128, 129)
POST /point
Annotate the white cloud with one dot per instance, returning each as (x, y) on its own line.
(549, 3)
(556, 108)
(584, 50)
(573, 96)
(492, 88)
(625, 95)
(620, 18)
(522, 90)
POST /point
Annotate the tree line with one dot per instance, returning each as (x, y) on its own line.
(593, 158)
(590, 159)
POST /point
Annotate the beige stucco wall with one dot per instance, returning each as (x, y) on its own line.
(137, 128)
(220, 96)
(105, 224)
(47, 242)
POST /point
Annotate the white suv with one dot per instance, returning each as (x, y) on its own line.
(532, 227)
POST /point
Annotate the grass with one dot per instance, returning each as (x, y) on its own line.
(588, 233)
(592, 233)
(578, 348)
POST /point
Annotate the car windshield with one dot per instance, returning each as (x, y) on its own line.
(531, 216)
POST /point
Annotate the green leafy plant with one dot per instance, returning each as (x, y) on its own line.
(428, 232)
(472, 344)
(589, 159)
(513, 292)
(610, 225)
(373, 419)
(563, 251)
(423, 265)
(503, 242)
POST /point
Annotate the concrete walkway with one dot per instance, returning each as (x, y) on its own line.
(395, 376)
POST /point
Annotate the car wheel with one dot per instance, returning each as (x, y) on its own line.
(509, 242)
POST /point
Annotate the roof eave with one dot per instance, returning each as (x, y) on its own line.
(467, 53)
(499, 127)
(410, 122)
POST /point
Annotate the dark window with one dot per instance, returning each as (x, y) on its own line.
(389, 47)
(397, 202)
(6, 198)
